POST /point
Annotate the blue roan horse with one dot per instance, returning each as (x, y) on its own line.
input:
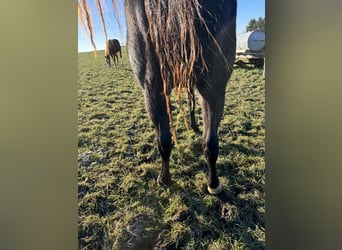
(183, 44)
(214, 26)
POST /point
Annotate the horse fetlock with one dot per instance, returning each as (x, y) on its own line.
(164, 179)
(216, 190)
(195, 128)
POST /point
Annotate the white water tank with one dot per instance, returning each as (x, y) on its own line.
(250, 41)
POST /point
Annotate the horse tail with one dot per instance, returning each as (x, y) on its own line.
(177, 45)
(176, 42)
(84, 6)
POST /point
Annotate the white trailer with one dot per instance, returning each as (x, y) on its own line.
(251, 45)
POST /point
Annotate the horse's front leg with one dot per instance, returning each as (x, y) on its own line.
(114, 62)
(117, 59)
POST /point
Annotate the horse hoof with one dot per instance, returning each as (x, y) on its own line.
(164, 181)
(196, 129)
(215, 190)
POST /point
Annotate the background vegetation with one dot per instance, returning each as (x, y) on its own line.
(256, 24)
(120, 204)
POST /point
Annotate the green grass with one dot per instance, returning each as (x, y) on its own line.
(120, 204)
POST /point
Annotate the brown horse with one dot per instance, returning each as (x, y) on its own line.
(112, 48)
(182, 44)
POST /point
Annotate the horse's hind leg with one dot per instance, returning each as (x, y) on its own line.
(145, 66)
(212, 112)
(156, 108)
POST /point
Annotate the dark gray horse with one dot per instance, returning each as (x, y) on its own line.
(177, 44)
(112, 48)
(163, 38)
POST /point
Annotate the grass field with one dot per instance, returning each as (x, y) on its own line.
(120, 204)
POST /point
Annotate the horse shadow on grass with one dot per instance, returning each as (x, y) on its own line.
(231, 214)
(239, 218)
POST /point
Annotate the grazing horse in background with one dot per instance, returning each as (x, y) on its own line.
(177, 44)
(111, 50)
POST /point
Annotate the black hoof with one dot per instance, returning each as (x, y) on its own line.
(195, 129)
(164, 181)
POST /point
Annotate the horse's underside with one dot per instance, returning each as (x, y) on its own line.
(206, 53)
